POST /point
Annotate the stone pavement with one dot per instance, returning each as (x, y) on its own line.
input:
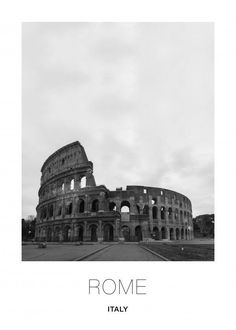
(66, 252)
(57, 252)
(124, 252)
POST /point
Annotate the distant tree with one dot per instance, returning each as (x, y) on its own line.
(28, 228)
(204, 225)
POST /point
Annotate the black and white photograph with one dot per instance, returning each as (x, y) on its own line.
(118, 141)
(117, 146)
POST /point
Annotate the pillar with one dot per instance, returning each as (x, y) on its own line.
(100, 236)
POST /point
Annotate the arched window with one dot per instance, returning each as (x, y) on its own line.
(83, 182)
(146, 210)
(50, 211)
(163, 233)
(69, 208)
(43, 213)
(154, 212)
(176, 214)
(162, 212)
(125, 207)
(59, 211)
(154, 201)
(81, 206)
(72, 184)
(112, 206)
(170, 213)
(95, 205)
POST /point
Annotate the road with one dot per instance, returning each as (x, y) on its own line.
(123, 252)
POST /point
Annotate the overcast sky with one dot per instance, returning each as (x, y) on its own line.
(137, 96)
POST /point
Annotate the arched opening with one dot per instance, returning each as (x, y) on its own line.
(38, 231)
(156, 234)
(146, 210)
(43, 232)
(108, 233)
(49, 234)
(93, 233)
(177, 233)
(163, 233)
(80, 234)
(154, 201)
(67, 234)
(154, 212)
(72, 184)
(69, 208)
(138, 234)
(163, 212)
(44, 213)
(57, 234)
(181, 216)
(95, 206)
(170, 213)
(176, 215)
(186, 234)
(59, 211)
(125, 207)
(171, 234)
(126, 233)
(182, 233)
(50, 211)
(81, 206)
(112, 206)
(83, 182)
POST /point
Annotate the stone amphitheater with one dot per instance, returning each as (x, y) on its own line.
(72, 208)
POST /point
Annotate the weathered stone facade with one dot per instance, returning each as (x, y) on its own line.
(73, 208)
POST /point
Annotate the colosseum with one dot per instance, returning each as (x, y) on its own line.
(72, 208)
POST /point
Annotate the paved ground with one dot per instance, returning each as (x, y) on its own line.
(57, 252)
(197, 249)
(116, 252)
(124, 252)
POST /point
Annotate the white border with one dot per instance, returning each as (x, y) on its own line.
(54, 295)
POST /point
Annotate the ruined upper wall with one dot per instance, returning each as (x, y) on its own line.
(162, 195)
(70, 156)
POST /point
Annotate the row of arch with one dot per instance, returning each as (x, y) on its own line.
(164, 213)
(108, 233)
(61, 187)
(173, 234)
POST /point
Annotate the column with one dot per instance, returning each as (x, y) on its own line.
(116, 236)
(86, 234)
(166, 215)
(167, 233)
(100, 236)
(174, 236)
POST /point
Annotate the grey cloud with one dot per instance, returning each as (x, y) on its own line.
(139, 97)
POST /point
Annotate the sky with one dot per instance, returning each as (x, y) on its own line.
(138, 96)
